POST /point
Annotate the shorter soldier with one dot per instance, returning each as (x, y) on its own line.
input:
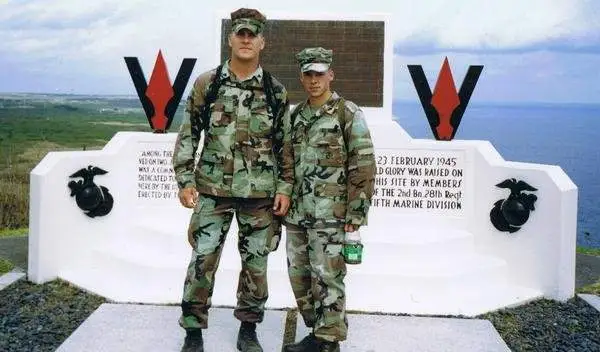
(333, 186)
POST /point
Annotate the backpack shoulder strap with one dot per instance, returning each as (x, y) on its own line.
(295, 111)
(211, 96)
(201, 120)
(272, 100)
(342, 114)
(270, 94)
(342, 117)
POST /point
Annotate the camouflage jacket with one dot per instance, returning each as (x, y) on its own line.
(238, 158)
(334, 168)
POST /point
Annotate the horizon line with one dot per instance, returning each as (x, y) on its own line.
(394, 101)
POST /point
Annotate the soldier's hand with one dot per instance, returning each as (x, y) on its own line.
(350, 228)
(188, 197)
(281, 204)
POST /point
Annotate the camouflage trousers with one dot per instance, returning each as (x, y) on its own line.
(316, 269)
(259, 233)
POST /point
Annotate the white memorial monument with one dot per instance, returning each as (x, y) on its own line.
(430, 247)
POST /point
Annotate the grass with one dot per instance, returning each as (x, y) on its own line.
(13, 232)
(593, 289)
(506, 322)
(5, 266)
(589, 251)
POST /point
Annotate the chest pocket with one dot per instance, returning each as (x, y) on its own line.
(261, 121)
(222, 111)
(329, 143)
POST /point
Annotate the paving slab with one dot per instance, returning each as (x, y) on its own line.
(144, 328)
(386, 333)
(592, 300)
(10, 277)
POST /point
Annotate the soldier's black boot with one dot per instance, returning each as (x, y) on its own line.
(326, 346)
(308, 343)
(247, 340)
(193, 341)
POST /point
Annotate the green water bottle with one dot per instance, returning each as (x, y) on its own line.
(352, 248)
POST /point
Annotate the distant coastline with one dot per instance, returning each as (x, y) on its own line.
(509, 104)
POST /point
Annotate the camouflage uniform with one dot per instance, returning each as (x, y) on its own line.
(240, 169)
(334, 182)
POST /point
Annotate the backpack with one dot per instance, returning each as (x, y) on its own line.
(201, 121)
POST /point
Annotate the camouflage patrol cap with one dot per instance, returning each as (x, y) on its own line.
(315, 59)
(249, 19)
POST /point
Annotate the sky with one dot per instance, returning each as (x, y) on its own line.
(532, 50)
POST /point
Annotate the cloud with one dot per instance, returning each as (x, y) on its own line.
(540, 76)
(508, 26)
(73, 45)
(90, 40)
(447, 24)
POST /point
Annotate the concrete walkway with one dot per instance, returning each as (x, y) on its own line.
(146, 328)
(369, 333)
(592, 300)
(10, 278)
(154, 328)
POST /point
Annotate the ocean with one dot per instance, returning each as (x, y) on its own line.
(566, 135)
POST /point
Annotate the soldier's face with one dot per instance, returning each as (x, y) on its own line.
(316, 83)
(245, 45)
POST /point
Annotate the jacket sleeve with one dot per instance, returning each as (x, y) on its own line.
(183, 155)
(284, 151)
(361, 167)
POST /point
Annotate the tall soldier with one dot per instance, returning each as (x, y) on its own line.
(333, 187)
(245, 167)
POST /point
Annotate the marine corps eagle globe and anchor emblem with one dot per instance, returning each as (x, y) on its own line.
(511, 213)
(94, 200)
